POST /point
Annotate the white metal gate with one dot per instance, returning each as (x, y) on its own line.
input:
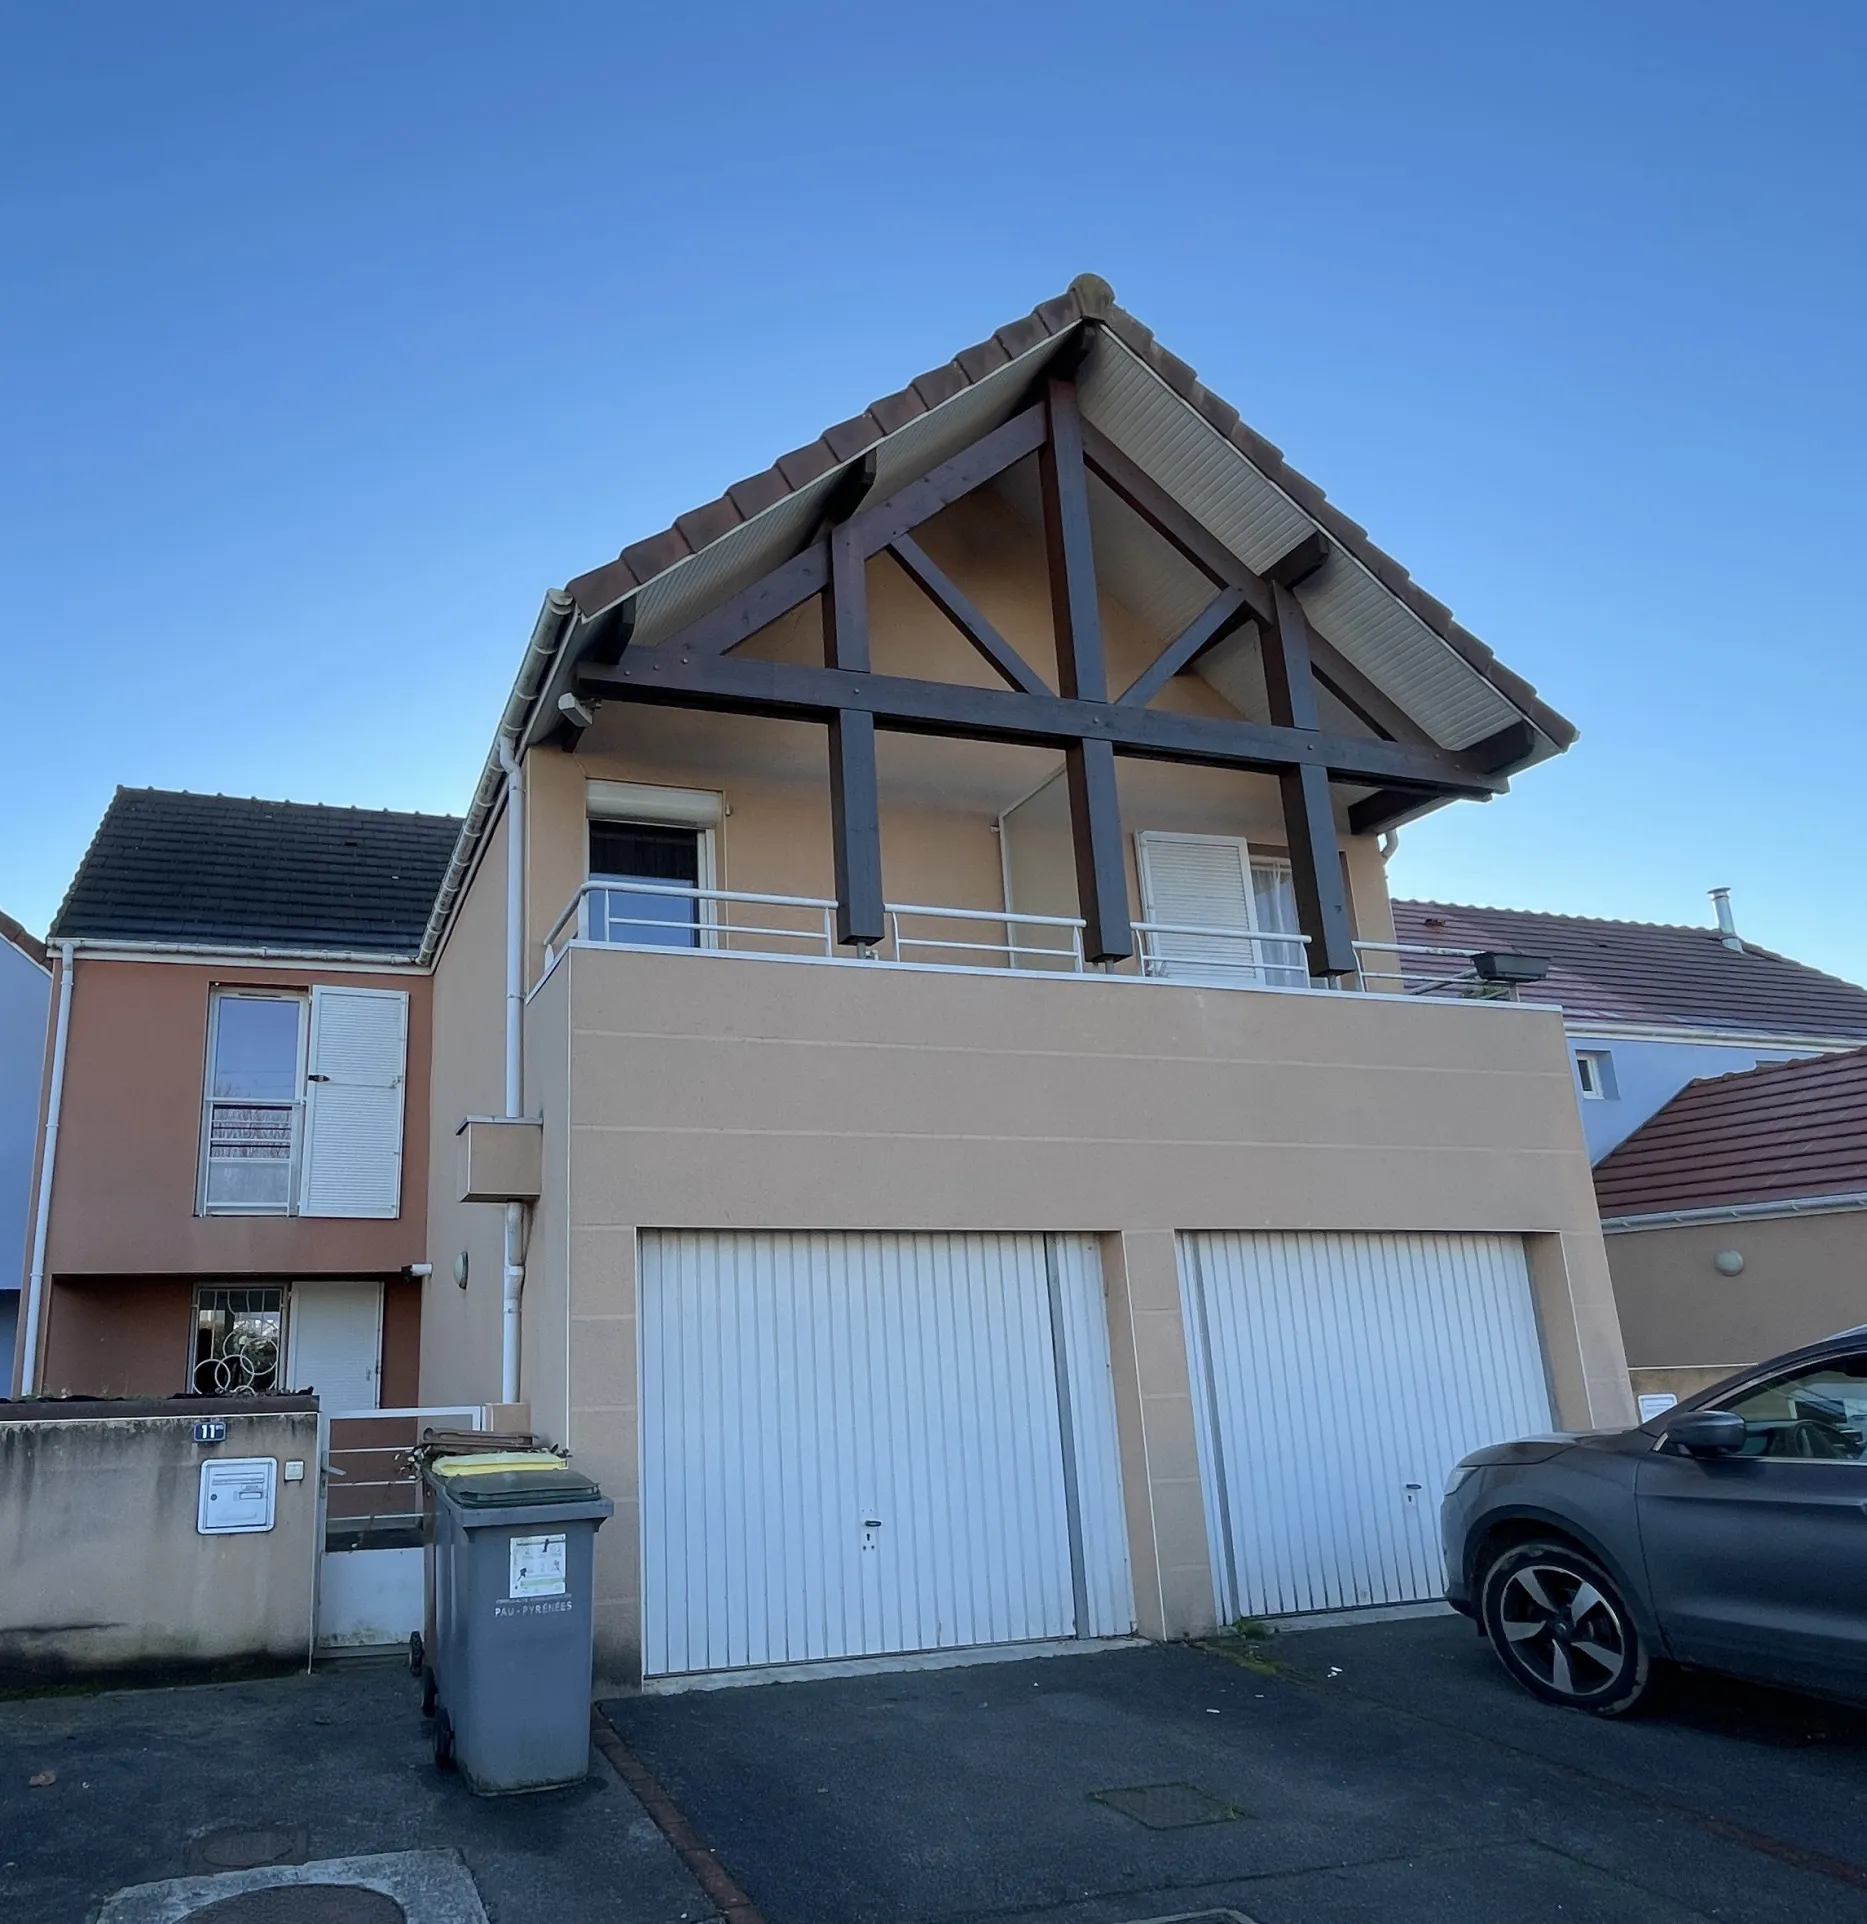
(857, 1444)
(1336, 1379)
(369, 1503)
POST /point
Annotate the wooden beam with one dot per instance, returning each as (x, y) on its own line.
(1101, 870)
(849, 490)
(1082, 675)
(1509, 748)
(604, 639)
(971, 468)
(1389, 807)
(751, 687)
(1132, 484)
(856, 828)
(722, 629)
(1309, 812)
(1210, 626)
(1299, 561)
(1070, 548)
(959, 608)
(855, 795)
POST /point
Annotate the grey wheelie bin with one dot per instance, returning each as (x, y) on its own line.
(511, 1656)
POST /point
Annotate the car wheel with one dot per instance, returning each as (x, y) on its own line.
(443, 1740)
(1563, 1631)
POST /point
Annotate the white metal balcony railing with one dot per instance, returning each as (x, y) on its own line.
(667, 915)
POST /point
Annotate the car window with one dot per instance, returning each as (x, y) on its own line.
(1819, 1413)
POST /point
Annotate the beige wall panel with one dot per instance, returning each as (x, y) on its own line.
(1805, 1277)
(460, 1329)
(547, 1333)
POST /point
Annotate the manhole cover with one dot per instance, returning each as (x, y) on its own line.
(304, 1904)
(249, 1848)
(1169, 1806)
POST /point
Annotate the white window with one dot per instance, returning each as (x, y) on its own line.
(1594, 1075)
(303, 1114)
(658, 842)
(255, 1090)
(1209, 905)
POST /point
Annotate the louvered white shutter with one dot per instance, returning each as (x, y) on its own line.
(353, 1103)
(1198, 882)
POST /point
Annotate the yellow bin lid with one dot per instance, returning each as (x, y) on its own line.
(495, 1462)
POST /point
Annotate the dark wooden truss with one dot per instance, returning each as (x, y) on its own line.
(696, 668)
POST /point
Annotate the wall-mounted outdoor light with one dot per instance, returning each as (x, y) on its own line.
(1729, 1262)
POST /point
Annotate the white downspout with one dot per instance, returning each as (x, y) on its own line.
(54, 1102)
(513, 1280)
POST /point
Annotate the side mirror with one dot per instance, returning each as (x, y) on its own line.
(1708, 1433)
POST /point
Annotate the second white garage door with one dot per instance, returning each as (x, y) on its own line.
(1336, 1379)
(858, 1444)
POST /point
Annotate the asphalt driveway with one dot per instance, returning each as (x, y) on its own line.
(134, 1782)
(1386, 1772)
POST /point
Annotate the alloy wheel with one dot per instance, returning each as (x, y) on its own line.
(1563, 1630)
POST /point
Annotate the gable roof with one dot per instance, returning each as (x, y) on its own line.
(1786, 1129)
(1649, 974)
(15, 935)
(225, 872)
(1149, 402)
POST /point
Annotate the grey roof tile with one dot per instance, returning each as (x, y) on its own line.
(226, 871)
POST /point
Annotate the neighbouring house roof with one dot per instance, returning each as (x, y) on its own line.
(1785, 1129)
(223, 871)
(15, 933)
(1647, 973)
(1154, 407)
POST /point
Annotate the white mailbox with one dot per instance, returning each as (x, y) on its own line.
(237, 1493)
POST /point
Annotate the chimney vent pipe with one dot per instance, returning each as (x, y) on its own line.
(1727, 922)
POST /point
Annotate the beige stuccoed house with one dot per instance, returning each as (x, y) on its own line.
(919, 1109)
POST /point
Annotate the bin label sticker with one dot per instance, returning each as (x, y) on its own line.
(537, 1567)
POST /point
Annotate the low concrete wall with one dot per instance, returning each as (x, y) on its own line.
(105, 1570)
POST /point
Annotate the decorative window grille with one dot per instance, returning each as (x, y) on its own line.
(238, 1341)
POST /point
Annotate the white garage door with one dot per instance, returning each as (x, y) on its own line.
(1336, 1380)
(855, 1444)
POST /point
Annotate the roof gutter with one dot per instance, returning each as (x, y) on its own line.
(548, 636)
(102, 945)
(1832, 1205)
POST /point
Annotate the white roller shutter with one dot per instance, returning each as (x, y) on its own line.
(857, 1444)
(353, 1103)
(1212, 882)
(1336, 1379)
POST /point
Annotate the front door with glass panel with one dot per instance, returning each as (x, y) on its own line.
(661, 868)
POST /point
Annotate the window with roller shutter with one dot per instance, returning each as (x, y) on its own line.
(1214, 908)
(357, 1062)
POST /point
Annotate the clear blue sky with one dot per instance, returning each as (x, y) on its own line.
(333, 335)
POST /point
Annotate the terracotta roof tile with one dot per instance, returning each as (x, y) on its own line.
(1648, 973)
(1787, 1129)
(709, 523)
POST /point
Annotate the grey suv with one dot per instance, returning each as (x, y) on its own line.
(1729, 1533)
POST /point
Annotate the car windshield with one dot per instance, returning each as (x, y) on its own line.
(1819, 1412)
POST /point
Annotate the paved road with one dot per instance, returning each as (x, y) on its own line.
(1413, 1783)
(343, 1753)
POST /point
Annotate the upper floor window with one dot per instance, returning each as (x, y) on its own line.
(304, 1099)
(255, 1088)
(1594, 1075)
(658, 841)
(1212, 908)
